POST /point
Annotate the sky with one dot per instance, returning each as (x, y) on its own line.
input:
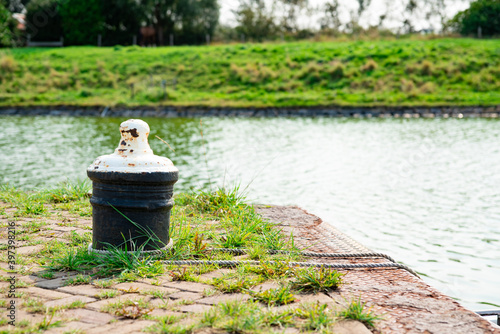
(369, 17)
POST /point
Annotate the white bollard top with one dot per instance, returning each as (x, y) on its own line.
(133, 154)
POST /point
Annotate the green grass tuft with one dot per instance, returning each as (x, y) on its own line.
(316, 280)
(278, 296)
(318, 317)
(356, 310)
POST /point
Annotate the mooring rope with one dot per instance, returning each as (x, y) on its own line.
(231, 263)
(309, 254)
(227, 263)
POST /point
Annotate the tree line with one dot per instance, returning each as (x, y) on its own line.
(164, 22)
(113, 21)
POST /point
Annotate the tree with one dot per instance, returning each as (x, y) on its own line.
(362, 5)
(82, 21)
(43, 21)
(437, 8)
(121, 21)
(388, 4)
(195, 20)
(411, 7)
(291, 10)
(255, 20)
(5, 26)
(16, 6)
(162, 15)
(189, 20)
(331, 18)
(481, 13)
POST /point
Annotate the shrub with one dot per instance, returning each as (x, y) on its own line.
(426, 68)
(8, 64)
(290, 63)
(252, 73)
(407, 86)
(381, 86)
(427, 88)
(180, 69)
(482, 13)
(311, 69)
(411, 68)
(369, 66)
(336, 70)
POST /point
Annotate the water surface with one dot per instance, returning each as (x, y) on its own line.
(427, 192)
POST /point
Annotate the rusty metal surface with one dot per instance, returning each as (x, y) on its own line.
(133, 154)
(406, 303)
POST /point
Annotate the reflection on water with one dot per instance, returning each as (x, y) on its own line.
(427, 192)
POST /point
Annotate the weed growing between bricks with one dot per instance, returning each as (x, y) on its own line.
(54, 233)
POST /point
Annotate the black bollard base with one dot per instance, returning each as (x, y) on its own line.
(131, 211)
(132, 194)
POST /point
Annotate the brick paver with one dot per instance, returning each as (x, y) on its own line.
(213, 300)
(189, 286)
(143, 288)
(350, 327)
(86, 290)
(214, 274)
(315, 298)
(122, 327)
(266, 286)
(97, 306)
(29, 249)
(45, 294)
(157, 312)
(89, 316)
(195, 308)
(53, 283)
(185, 295)
(71, 327)
(69, 300)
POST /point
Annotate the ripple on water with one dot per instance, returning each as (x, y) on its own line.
(424, 191)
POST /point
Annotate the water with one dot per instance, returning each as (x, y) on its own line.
(427, 192)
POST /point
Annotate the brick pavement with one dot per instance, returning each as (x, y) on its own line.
(407, 304)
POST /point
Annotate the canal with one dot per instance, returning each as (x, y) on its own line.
(425, 191)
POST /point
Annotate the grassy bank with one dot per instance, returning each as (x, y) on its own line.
(360, 73)
(54, 225)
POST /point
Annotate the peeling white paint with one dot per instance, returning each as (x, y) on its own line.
(133, 154)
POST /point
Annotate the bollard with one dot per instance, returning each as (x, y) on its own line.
(132, 194)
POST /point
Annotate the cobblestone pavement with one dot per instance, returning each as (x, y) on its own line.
(406, 303)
